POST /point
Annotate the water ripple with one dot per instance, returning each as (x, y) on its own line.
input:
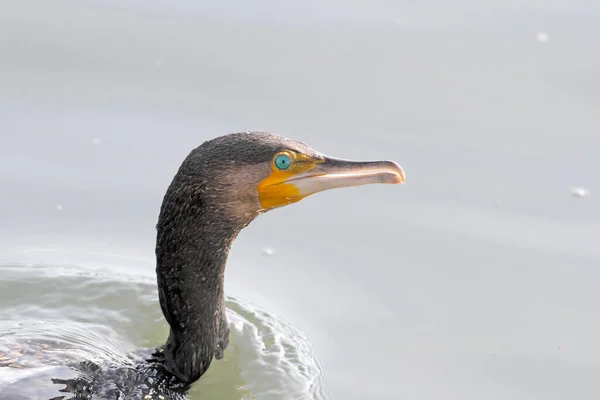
(105, 317)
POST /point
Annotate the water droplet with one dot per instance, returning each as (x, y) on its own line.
(579, 192)
(542, 37)
(59, 207)
(267, 251)
(96, 141)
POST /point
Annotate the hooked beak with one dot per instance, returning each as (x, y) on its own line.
(335, 173)
(326, 173)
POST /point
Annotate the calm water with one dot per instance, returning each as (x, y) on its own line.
(478, 279)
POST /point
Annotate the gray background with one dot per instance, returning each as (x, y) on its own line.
(478, 279)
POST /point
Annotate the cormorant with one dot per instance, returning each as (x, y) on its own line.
(218, 190)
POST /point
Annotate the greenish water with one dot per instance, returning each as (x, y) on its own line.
(102, 317)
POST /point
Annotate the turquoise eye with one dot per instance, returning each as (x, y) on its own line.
(283, 161)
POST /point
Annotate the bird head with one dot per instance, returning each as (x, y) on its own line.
(249, 173)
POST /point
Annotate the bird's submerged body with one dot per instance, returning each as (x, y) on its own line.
(49, 370)
(218, 190)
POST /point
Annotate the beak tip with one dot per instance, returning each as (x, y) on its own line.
(400, 176)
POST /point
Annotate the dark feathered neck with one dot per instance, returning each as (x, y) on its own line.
(193, 241)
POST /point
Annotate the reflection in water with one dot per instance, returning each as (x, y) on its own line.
(53, 344)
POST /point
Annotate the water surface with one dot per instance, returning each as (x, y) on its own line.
(476, 279)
